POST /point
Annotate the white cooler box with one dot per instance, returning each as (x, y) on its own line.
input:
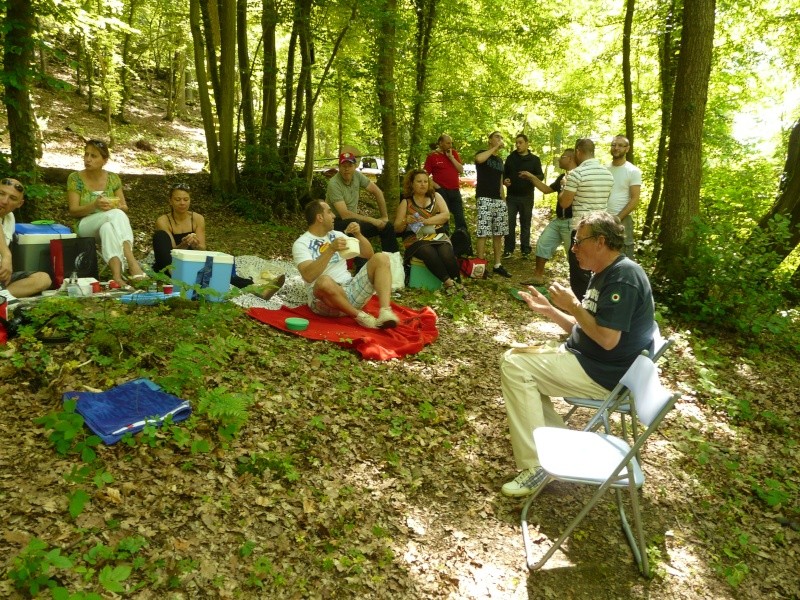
(186, 264)
(31, 251)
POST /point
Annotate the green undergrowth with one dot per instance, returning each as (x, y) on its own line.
(268, 408)
(741, 469)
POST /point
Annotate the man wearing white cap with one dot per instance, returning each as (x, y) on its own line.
(343, 195)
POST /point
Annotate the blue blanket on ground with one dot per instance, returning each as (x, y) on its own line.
(127, 408)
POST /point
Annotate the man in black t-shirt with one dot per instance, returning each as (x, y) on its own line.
(519, 166)
(608, 330)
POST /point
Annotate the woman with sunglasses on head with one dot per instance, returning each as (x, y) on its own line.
(180, 228)
(96, 197)
(185, 229)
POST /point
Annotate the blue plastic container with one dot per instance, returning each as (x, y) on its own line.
(186, 264)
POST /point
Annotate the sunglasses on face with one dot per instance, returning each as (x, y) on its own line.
(98, 143)
(181, 186)
(17, 186)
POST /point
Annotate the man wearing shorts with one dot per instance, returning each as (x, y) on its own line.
(559, 230)
(20, 284)
(332, 291)
(492, 210)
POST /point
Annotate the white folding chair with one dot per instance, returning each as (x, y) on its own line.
(598, 458)
(660, 346)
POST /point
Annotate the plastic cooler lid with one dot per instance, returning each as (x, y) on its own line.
(24, 239)
(200, 256)
(53, 228)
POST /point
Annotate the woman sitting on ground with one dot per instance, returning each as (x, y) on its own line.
(96, 196)
(420, 214)
(185, 229)
(180, 228)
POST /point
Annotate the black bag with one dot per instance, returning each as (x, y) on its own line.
(73, 255)
(462, 243)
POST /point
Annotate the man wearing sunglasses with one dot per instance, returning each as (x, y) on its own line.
(608, 330)
(20, 284)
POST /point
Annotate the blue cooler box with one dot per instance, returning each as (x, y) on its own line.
(186, 264)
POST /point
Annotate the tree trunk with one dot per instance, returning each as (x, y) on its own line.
(126, 50)
(426, 16)
(386, 87)
(202, 89)
(226, 179)
(669, 42)
(18, 59)
(269, 112)
(626, 74)
(245, 73)
(787, 203)
(684, 167)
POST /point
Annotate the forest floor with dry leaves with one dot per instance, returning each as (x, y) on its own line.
(361, 479)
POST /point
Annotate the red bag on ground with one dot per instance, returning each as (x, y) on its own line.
(473, 267)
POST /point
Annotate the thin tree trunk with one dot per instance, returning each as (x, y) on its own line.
(426, 16)
(387, 51)
(202, 91)
(669, 43)
(684, 167)
(626, 75)
(269, 112)
(250, 140)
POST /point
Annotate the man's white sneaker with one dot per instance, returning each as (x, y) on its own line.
(525, 483)
(387, 318)
(366, 320)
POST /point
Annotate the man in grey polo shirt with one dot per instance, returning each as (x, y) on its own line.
(342, 195)
(587, 189)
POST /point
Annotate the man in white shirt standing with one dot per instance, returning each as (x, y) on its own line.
(21, 284)
(627, 187)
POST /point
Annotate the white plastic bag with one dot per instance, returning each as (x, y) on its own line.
(398, 272)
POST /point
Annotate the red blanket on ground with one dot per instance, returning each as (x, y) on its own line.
(416, 329)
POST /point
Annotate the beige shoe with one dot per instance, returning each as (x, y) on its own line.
(366, 320)
(387, 318)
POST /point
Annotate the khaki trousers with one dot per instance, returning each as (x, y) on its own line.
(528, 380)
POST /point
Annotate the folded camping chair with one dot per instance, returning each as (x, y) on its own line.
(598, 458)
(623, 406)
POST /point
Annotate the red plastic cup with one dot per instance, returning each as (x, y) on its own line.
(95, 287)
(167, 288)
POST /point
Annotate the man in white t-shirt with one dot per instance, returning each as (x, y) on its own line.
(627, 187)
(20, 284)
(332, 291)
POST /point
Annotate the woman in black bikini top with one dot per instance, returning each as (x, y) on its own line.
(179, 228)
